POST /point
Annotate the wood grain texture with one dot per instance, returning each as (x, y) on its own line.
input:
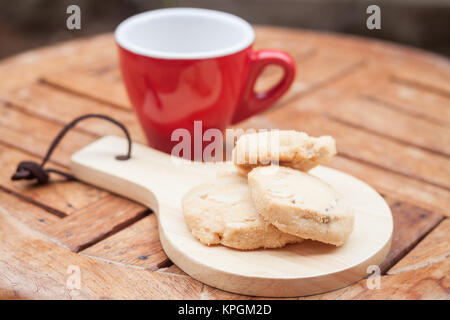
(396, 185)
(416, 75)
(137, 245)
(173, 269)
(59, 198)
(37, 268)
(383, 120)
(313, 73)
(420, 102)
(378, 150)
(209, 293)
(87, 86)
(95, 222)
(433, 249)
(298, 50)
(429, 283)
(59, 106)
(29, 214)
(411, 223)
(28, 67)
(26, 132)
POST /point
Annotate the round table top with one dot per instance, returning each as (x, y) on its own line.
(387, 106)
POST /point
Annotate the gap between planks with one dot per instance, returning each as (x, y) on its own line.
(396, 269)
(375, 165)
(48, 209)
(385, 268)
(159, 267)
(380, 134)
(393, 106)
(326, 83)
(21, 109)
(96, 222)
(423, 86)
(81, 94)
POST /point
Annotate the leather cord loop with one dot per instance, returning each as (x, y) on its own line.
(28, 170)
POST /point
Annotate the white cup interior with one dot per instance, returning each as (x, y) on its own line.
(184, 33)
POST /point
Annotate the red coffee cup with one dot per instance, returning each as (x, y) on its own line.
(182, 65)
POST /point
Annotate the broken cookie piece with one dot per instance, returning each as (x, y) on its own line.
(284, 147)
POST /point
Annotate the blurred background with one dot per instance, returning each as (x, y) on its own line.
(25, 24)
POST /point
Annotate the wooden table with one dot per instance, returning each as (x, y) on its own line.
(387, 106)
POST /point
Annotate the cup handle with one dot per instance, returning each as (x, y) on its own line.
(254, 102)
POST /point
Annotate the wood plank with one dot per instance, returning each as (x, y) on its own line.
(113, 94)
(429, 283)
(96, 222)
(29, 214)
(350, 84)
(36, 268)
(433, 249)
(173, 269)
(34, 135)
(62, 107)
(411, 223)
(136, 245)
(209, 293)
(377, 150)
(322, 69)
(437, 80)
(415, 101)
(94, 80)
(61, 198)
(8, 294)
(383, 120)
(398, 186)
(107, 71)
(35, 63)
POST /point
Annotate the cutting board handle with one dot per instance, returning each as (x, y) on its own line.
(149, 177)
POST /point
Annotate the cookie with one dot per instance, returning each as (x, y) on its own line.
(300, 204)
(287, 147)
(222, 212)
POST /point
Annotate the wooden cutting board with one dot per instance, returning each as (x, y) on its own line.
(159, 181)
